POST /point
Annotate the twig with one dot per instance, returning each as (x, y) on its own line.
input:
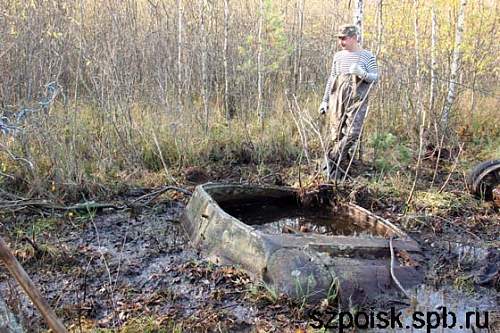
(392, 271)
(15, 158)
(437, 160)
(162, 159)
(453, 168)
(7, 175)
(419, 160)
(160, 191)
(457, 226)
(48, 205)
(300, 127)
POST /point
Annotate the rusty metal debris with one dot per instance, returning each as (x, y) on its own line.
(484, 180)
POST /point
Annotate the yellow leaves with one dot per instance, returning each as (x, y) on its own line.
(54, 34)
(13, 31)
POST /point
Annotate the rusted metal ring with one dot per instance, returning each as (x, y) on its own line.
(484, 178)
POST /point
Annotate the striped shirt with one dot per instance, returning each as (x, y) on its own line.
(343, 60)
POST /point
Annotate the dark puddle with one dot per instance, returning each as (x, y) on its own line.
(286, 215)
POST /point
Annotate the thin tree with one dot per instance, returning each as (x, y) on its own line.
(421, 114)
(358, 19)
(380, 27)
(224, 59)
(179, 55)
(455, 64)
(297, 68)
(433, 86)
(259, 63)
(204, 76)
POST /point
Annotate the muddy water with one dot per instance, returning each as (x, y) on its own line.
(448, 311)
(276, 217)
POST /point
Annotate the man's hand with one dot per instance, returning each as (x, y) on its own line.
(323, 108)
(356, 69)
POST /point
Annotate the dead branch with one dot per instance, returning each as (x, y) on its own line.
(461, 146)
(153, 195)
(29, 288)
(392, 271)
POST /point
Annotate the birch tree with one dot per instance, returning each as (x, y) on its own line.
(380, 27)
(179, 55)
(297, 68)
(433, 85)
(421, 114)
(452, 89)
(259, 63)
(224, 59)
(204, 85)
(358, 19)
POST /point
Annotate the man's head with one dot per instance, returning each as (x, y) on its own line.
(348, 37)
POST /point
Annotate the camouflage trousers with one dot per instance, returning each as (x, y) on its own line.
(346, 114)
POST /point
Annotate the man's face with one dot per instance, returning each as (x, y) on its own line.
(347, 42)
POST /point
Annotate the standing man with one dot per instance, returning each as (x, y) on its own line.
(354, 70)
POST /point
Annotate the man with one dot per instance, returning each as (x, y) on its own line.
(353, 72)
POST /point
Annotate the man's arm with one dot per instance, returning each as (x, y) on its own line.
(328, 89)
(366, 70)
(371, 70)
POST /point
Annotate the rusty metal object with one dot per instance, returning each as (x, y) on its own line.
(299, 263)
(484, 178)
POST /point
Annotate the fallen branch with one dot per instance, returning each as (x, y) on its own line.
(86, 206)
(22, 203)
(29, 288)
(153, 195)
(453, 168)
(400, 286)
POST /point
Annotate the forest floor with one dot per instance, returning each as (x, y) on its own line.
(134, 270)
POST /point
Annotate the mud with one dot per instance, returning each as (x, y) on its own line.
(114, 269)
(107, 271)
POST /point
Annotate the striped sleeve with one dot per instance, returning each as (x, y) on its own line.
(331, 78)
(371, 67)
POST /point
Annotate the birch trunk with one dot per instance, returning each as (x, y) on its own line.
(224, 56)
(297, 68)
(358, 19)
(259, 64)
(420, 109)
(452, 89)
(418, 89)
(380, 27)
(179, 55)
(432, 95)
(204, 87)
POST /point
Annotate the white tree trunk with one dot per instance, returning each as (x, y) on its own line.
(432, 95)
(259, 63)
(452, 89)
(224, 56)
(179, 55)
(297, 68)
(380, 27)
(358, 19)
(204, 77)
(418, 89)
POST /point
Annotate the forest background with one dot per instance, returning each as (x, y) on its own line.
(96, 94)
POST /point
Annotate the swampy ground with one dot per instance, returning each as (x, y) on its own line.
(133, 270)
